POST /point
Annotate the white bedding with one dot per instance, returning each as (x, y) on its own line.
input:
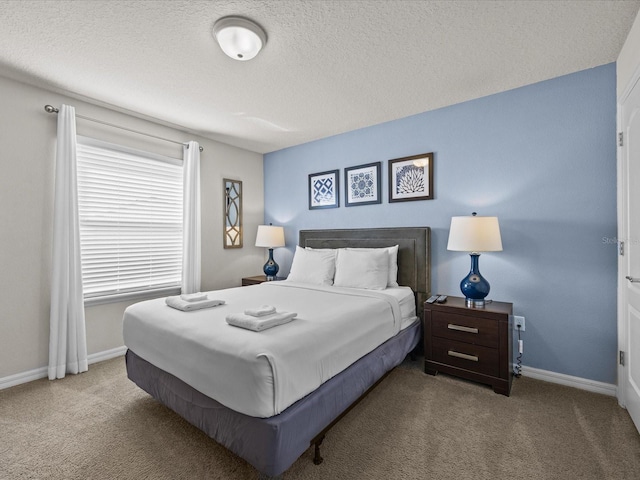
(407, 301)
(261, 373)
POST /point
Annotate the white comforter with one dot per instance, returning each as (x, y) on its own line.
(261, 373)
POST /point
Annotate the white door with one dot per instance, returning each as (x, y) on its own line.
(629, 264)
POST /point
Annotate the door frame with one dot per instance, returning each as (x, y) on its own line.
(622, 199)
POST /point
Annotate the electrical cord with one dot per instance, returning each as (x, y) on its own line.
(517, 370)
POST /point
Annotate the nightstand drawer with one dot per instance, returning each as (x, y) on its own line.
(469, 342)
(463, 328)
(464, 355)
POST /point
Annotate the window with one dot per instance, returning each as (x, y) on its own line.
(130, 209)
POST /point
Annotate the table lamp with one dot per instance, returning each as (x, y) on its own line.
(270, 237)
(474, 235)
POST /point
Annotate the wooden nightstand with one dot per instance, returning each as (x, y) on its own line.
(246, 281)
(472, 343)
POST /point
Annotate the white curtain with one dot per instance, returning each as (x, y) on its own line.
(67, 335)
(191, 269)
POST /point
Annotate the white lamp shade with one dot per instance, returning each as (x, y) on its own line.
(240, 38)
(269, 236)
(475, 234)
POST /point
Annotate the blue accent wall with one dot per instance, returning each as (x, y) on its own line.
(543, 159)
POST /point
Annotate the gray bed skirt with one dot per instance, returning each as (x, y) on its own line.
(273, 444)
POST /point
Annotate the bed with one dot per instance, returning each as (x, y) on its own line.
(285, 405)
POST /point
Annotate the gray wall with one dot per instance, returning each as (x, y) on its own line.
(543, 159)
(27, 151)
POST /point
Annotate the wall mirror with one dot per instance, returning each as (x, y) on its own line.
(232, 230)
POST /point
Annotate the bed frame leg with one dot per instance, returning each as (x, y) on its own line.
(317, 459)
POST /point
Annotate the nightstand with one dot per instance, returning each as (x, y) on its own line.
(246, 281)
(472, 343)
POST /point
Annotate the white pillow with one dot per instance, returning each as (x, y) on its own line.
(316, 267)
(392, 281)
(362, 269)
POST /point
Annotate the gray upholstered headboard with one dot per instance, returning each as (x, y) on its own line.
(414, 252)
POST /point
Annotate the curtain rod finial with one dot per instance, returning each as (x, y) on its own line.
(50, 109)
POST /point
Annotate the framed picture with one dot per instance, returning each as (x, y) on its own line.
(232, 217)
(362, 184)
(411, 178)
(324, 190)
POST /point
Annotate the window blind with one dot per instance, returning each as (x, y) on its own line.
(130, 209)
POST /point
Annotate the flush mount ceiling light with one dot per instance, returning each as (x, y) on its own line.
(239, 38)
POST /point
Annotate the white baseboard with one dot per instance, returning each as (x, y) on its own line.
(570, 381)
(24, 377)
(538, 374)
(107, 355)
(42, 372)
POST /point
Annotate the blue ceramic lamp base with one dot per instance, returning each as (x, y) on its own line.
(474, 286)
(271, 267)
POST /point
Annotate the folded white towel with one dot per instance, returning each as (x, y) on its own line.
(194, 297)
(186, 306)
(260, 311)
(257, 324)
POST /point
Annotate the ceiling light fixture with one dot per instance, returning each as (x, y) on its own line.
(239, 38)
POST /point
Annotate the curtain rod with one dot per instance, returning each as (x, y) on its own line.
(52, 109)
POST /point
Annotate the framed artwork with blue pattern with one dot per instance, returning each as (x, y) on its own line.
(411, 178)
(324, 190)
(362, 185)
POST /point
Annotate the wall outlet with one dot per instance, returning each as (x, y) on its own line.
(518, 322)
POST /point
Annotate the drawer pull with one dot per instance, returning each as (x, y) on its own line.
(460, 328)
(464, 356)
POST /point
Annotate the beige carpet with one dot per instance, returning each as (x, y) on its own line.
(99, 425)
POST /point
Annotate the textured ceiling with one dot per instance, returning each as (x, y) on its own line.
(328, 66)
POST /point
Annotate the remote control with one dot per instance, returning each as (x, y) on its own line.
(432, 298)
(441, 299)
